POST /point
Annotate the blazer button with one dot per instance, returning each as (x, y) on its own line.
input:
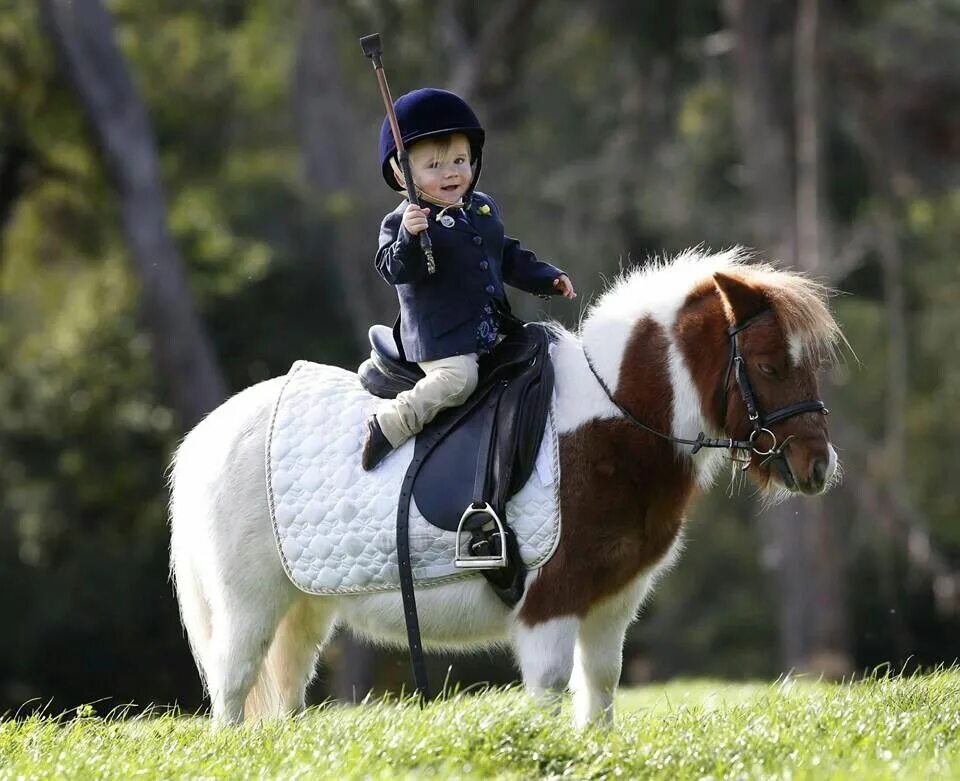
(478, 240)
(490, 290)
(484, 265)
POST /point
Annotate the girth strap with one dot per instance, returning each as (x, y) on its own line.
(429, 438)
(506, 583)
(407, 594)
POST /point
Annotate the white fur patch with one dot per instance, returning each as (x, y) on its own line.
(458, 614)
(832, 464)
(578, 396)
(545, 653)
(795, 348)
(658, 293)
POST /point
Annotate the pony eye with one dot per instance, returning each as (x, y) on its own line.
(767, 369)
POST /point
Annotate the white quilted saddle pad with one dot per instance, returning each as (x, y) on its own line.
(335, 524)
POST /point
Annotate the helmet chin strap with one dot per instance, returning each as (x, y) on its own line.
(422, 195)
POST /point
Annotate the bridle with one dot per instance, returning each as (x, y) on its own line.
(759, 421)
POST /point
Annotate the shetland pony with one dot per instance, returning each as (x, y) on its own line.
(658, 340)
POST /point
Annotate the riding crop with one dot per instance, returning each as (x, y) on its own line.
(372, 48)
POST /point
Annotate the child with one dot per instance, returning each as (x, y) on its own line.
(447, 318)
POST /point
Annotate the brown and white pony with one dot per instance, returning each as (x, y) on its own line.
(659, 341)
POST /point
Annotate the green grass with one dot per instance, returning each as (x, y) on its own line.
(876, 729)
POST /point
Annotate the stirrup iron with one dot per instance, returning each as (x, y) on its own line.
(480, 562)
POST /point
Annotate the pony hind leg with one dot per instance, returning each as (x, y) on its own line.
(241, 637)
(545, 654)
(290, 664)
(248, 608)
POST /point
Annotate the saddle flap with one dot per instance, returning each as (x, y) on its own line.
(498, 431)
(444, 484)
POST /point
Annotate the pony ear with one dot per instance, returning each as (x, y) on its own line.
(740, 299)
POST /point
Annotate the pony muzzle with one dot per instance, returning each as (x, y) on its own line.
(801, 471)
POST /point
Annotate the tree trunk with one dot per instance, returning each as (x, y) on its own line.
(894, 465)
(826, 647)
(487, 61)
(787, 222)
(329, 129)
(761, 127)
(83, 34)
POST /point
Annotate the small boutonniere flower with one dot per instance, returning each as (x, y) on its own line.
(484, 209)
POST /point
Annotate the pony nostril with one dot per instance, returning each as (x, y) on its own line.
(783, 469)
(819, 471)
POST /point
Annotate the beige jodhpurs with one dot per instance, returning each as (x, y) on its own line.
(448, 383)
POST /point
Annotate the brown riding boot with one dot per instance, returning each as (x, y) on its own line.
(376, 447)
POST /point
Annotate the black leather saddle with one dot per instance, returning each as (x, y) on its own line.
(475, 456)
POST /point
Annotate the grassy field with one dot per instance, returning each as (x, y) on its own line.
(876, 729)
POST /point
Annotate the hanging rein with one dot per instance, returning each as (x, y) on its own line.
(759, 421)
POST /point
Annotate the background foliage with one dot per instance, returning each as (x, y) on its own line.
(617, 132)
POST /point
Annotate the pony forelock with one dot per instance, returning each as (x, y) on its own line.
(799, 302)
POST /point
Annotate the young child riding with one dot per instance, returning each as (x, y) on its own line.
(448, 318)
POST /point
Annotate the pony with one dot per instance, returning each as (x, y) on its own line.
(652, 364)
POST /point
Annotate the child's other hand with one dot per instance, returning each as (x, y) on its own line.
(565, 286)
(415, 219)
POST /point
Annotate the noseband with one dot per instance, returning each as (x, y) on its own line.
(759, 421)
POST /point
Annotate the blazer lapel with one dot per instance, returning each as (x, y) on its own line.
(461, 222)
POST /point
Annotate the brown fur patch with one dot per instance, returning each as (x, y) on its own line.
(623, 492)
(706, 350)
(702, 339)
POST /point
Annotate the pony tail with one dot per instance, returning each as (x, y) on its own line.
(195, 613)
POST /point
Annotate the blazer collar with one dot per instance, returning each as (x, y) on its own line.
(463, 219)
(466, 220)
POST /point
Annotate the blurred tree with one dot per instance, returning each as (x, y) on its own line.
(83, 34)
(617, 131)
(787, 225)
(330, 130)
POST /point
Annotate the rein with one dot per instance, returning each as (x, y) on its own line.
(758, 420)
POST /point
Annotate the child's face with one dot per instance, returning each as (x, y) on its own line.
(441, 166)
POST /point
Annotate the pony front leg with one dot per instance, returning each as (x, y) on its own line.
(545, 653)
(598, 659)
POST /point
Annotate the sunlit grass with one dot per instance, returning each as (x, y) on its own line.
(881, 728)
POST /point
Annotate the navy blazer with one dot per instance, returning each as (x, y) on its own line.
(440, 313)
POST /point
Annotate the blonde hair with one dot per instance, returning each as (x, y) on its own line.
(441, 145)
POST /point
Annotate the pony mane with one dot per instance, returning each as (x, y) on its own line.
(664, 284)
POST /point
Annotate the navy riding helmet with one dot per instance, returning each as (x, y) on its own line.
(430, 112)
